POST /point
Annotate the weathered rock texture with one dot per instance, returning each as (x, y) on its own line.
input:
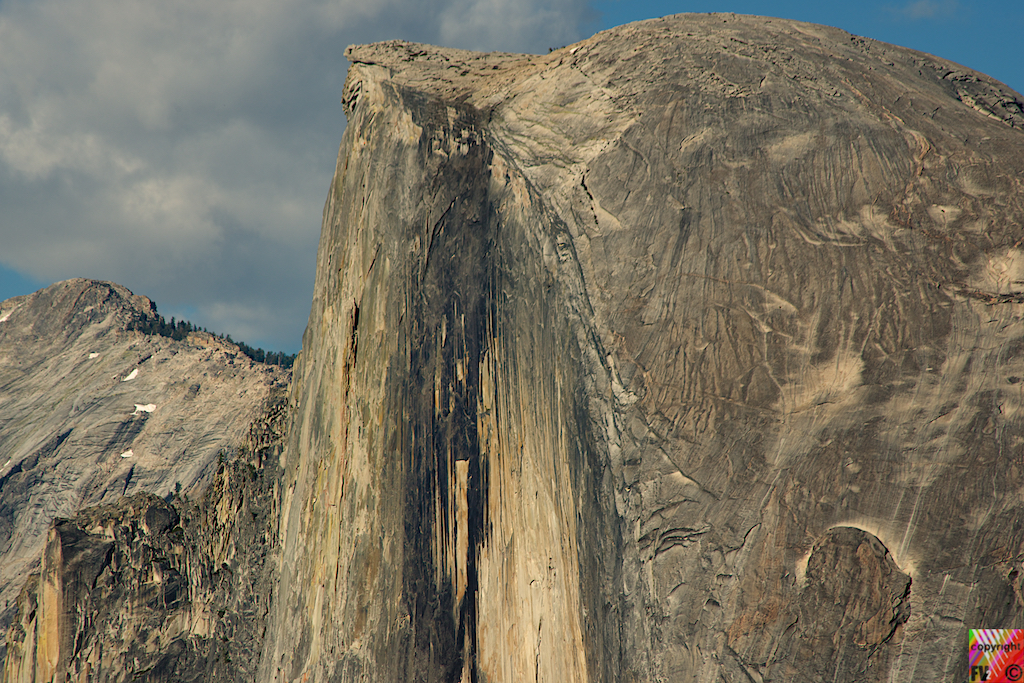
(693, 351)
(90, 412)
(143, 589)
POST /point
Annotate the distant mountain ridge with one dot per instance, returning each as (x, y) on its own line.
(180, 329)
(91, 410)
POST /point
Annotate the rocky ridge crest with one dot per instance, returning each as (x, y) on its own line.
(91, 412)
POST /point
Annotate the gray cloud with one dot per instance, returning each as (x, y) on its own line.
(184, 148)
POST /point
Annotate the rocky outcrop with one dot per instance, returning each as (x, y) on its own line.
(688, 352)
(144, 589)
(91, 412)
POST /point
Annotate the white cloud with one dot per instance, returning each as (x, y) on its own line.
(184, 148)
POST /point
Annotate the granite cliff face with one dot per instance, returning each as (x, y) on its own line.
(91, 412)
(692, 351)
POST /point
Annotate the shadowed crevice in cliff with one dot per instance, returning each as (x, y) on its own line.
(450, 305)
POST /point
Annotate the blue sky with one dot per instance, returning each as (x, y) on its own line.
(184, 148)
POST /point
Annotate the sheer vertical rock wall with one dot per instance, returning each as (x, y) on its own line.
(439, 473)
(688, 352)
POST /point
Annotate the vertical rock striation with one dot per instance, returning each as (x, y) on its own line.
(439, 462)
(688, 352)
